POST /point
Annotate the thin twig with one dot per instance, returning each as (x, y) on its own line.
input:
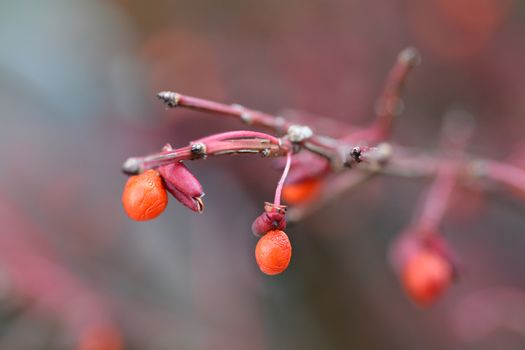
(509, 175)
(457, 129)
(248, 116)
(216, 147)
(324, 146)
(389, 104)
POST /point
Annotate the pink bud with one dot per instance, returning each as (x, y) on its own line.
(181, 183)
(272, 219)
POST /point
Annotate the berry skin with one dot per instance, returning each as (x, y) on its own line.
(273, 252)
(300, 192)
(426, 276)
(144, 196)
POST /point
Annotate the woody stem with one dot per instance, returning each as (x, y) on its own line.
(437, 197)
(215, 145)
(389, 104)
(248, 116)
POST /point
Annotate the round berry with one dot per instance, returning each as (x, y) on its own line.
(273, 252)
(300, 192)
(100, 337)
(144, 196)
(426, 276)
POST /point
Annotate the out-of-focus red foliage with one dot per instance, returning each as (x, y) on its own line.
(457, 29)
(197, 65)
(36, 277)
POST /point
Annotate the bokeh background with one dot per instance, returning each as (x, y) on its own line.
(77, 96)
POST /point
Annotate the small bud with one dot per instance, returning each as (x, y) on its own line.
(131, 166)
(185, 187)
(410, 56)
(170, 99)
(299, 133)
(198, 150)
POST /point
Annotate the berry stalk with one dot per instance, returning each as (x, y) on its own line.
(279, 189)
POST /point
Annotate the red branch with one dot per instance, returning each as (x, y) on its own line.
(389, 105)
(364, 148)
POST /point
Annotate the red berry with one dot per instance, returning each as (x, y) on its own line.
(100, 337)
(144, 196)
(426, 276)
(273, 252)
(300, 192)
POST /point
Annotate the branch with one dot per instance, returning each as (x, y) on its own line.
(216, 145)
(323, 146)
(248, 116)
(372, 160)
(389, 104)
(457, 129)
(509, 175)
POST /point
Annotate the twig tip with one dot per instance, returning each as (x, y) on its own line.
(410, 56)
(131, 166)
(169, 98)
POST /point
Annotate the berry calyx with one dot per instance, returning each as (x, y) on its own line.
(300, 192)
(273, 252)
(426, 275)
(144, 196)
(273, 218)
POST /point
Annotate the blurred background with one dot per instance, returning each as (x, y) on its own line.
(77, 96)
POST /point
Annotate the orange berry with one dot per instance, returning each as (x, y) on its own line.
(273, 252)
(300, 192)
(100, 337)
(426, 276)
(144, 196)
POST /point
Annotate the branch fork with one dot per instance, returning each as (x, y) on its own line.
(338, 164)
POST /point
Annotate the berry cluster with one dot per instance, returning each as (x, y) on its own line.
(316, 170)
(145, 198)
